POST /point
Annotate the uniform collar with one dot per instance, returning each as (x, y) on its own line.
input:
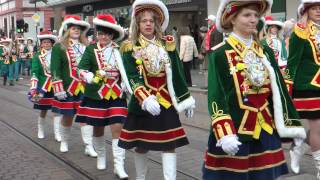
(111, 44)
(313, 27)
(144, 42)
(241, 48)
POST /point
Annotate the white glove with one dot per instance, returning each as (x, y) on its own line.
(61, 95)
(229, 144)
(151, 105)
(298, 141)
(88, 77)
(102, 73)
(124, 87)
(189, 112)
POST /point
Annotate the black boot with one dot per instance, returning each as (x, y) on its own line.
(4, 80)
(11, 83)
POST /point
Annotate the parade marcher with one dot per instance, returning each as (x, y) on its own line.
(249, 105)
(303, 74)
(68, 88)
(5, 58)
(274, 39)
(13, 63)
(41, 92)
(30, 51)
(156, 77)
(104, 102)
(20, 64)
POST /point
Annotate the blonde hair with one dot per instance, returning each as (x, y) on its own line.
(135, 26)
(66, 36)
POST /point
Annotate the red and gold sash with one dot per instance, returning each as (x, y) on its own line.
(46, 87)
(76, 85)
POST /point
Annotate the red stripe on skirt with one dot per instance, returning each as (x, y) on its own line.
(45, 101)
(151, 136)
(304, 104)
(102, 113)
(241, 163)
(65, 105)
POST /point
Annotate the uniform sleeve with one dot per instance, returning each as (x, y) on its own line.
(296, 47)
(135, 79)
(56, 62)
(85, 65)
(221, 122)
(35, 68)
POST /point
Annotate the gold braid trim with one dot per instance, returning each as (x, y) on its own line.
(126, 46)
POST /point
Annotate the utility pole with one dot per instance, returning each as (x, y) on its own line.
(35, 12)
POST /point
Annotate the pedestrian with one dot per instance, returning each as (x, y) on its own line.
(20, 64)
(202, 50)
(213, 36)
(188, 52)
(68, 88)
(41, 93)
(154, 71)
(104, 102)
(249, 105)
(5, 58)
(30, 51)
(303, 70)
(274, 39)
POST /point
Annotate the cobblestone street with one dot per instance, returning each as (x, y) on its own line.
(23, 156)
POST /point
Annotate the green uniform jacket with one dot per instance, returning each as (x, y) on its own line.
(60, 66)
(180, 95)
(38, 71)
(229, 113)
(89, 63)
(303, 67)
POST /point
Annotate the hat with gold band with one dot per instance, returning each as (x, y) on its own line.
(229, 7)
(305, 4)
(155, 5)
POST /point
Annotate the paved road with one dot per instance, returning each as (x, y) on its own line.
(23, 155)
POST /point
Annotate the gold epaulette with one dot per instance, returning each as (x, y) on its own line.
(301, 31)
(170, 43)
(126, 46)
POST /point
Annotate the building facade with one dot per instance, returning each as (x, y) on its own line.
(12, 10)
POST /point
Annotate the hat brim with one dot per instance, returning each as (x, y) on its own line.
(277, 23)
(48, 36)
(224, 3)
(115, 27)
(64, 25)
(161, 5)
(304, 4)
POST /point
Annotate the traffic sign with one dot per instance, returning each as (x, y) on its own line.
(36, 17)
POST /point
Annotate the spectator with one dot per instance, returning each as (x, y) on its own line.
(188, 50)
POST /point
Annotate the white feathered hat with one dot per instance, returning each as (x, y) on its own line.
(3, 40)
(155, 5)
(304, 4)
(228, 7)
(75, 20)
(46, 34)
(108, 21)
